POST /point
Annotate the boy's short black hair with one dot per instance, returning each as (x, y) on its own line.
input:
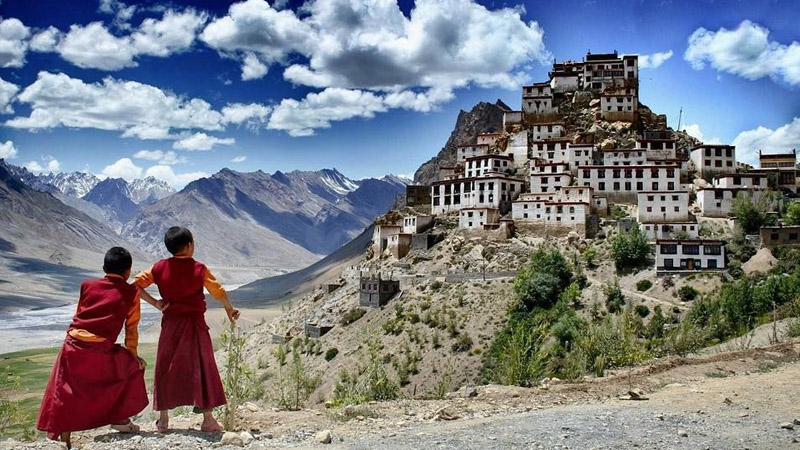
(117, 261)
(177, 238)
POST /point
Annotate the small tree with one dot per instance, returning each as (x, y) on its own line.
(294, 383)
(614, 298)
(687, 293)
(540, 282)
(239, 379)
(752, 214)
(630, 249)
(792, 216)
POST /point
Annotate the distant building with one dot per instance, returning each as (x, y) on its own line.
(495, 191)
(711, 160)
(549, 177)
(476, 218)
(511, 118)
(663, 207)
(621, 183)
(551, 150)
(417, 195)
(317, 330)
(480, 165)
(605, 70)
(488, 138)
(625, 157)
(787, 235)
(547, 130)
(518, 148)
(416, 224)
(757, 181)
(717, 202)
(537, 99)
(619, 104)
(783, 164)
(376, 292)
(680, 230)
(689, 255)
(464, 152)
(399, 244)
(380, 236)
(580, 155)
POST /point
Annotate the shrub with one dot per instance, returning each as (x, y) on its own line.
(368, 381)
(462, 344)
(642, 310)
(643, 285)
(687, 293)
(614, 298)
(685, 339)
(792, 215)
(589, 256)
(540, 282)
(331, 353)
(752, 214)
(630, 250)
(610, 344)
(293, 381)
(238, 378)
(393, 327)
(436, 285)
(352, 315)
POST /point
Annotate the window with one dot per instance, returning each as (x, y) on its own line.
(712, 263)
(669, 249)
(601, 187)
(712, 250)
(616, 185)
(668, 263)
(691, 249)
(792, 236)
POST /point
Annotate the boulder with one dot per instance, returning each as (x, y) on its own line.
(231, 438)
(324, 437)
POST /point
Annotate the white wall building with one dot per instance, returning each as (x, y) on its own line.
(717, 202)
(537, 99)
(566, 76)
(655, 231)
(518, 148)
(621, 183)
(619, 104)
(463, 152)
(548, 130)
(663, 207)
(602, 71)
(710, 160)
(625, 157)
(475, 218)
(493, 191)
(580, 155)
(381, 234)
(480, 165)
(549, 177)
(416, 224)
(758, 181)
(552, 150)
(689, 255)
(511, 118)
(488, 138)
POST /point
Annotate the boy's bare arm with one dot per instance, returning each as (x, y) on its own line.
(160, 305)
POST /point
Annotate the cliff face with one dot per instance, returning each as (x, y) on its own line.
(483, 118)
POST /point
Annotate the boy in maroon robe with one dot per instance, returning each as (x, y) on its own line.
(186, 371)
(96, 382)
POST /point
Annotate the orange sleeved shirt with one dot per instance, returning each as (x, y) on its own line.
(131, 327)
(214, 287)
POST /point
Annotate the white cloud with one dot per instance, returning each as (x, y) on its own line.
(253, 68)
(201, 142)
(13, 43)
(7, 92)
(301, 118)
(123, 168)
(782, 139)
(654, 60)
(694, 131)
(239, 159)
(745, 51)
(93, 46)
(167, 158)
(51, 165)
(253, 115)
(46, 41)
(8, 150)
(122, 13)
(177, 180)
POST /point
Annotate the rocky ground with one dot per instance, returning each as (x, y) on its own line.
(736, 400)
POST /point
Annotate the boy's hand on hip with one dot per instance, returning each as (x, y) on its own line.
(142, 363)
(161, 305)
(233, 314)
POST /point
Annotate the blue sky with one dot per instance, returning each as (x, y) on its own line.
(181, 89)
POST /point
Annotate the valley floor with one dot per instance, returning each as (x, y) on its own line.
(735, 400)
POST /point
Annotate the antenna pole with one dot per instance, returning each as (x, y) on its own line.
(680, 116)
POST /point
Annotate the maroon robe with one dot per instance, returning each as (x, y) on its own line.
(94, 384)
(186, 371)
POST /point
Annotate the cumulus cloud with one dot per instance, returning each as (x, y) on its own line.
(13, 43)
(201, 142)
(177, 180)
(654, 60)
(122, 13)
(8, 150)
(745, 51)
(694, 131)
(50, 165)
(7, 92)
(136, 109)
(239, 159)
(318, 110)
(123, 168)
(253, 68)
(93, 46)
(252, 115)
(782, 139)
(167, 158)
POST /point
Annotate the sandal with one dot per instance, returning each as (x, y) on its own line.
(215, 428)
(160, 428)
(127, 427)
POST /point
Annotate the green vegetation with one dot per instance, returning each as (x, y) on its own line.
(238, 378)
(643, 285)
(293, 382)
(630, 250)
(368, 381)
(792, 214)
(540, 282)
(642, 310)
(331, 353)
(753, 214)
(614, 298)
(352, 315)
(687, 293)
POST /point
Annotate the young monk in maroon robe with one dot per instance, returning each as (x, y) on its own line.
(96, 382)
(186, 372)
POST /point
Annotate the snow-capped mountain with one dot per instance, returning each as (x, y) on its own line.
(113, 194)
(74, 184)
(148, 190)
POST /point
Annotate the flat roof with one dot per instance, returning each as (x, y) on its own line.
(663, 192)
(642, 166)
(689, 241)
(711, 146)
(743, 174)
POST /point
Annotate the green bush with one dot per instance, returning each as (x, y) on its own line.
(589, 256)
(643, 285)
(331, 353)
(462, 344)
(687, 293)
(368, 381)
(642, 310)
(293, 381)
(393, 327)
(540, 282)
(792, 215)
(752, 214)
(614, 298)
(352, 315)
(630, 250)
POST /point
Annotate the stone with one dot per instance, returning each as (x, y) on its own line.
(324, 437)
(349, 410)
(136, 439)
(446, 413)
(252, 407)
(246, 437)
(231, 438)
(682, 433)
(470, 392)
(594, 102)
(796, 421)
(787, 426)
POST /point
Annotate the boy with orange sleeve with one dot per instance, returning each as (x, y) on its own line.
(186, 371)
(96, 382)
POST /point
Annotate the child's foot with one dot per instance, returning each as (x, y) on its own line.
(126, 427)
(210, 426)
(162, 426)
(66, 438)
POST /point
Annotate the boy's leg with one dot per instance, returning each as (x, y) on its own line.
(210, 424)
(162, 424)
(66, 438)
